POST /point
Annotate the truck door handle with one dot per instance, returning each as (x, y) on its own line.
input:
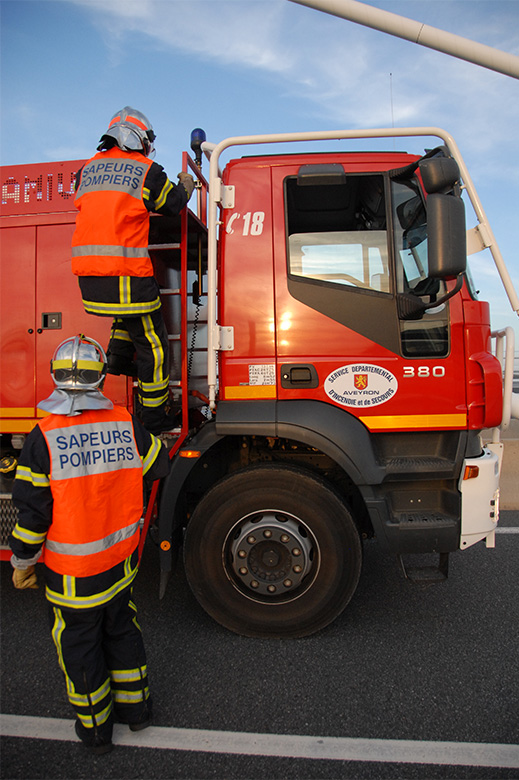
(301, 375)
(50, 320)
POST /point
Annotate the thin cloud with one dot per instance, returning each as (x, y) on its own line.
(244, 33)
(342, 68)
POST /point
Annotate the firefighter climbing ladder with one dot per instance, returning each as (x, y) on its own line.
(179, 255)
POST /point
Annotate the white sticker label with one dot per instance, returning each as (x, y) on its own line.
(262, 375)
(360, 385)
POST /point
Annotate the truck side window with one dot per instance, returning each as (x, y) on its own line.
(337, 233)
(429, 335)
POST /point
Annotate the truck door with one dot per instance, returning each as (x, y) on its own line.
(347, 241)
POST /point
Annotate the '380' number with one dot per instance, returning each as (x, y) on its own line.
(424, 371)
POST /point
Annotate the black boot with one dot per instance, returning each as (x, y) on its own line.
(93, 742)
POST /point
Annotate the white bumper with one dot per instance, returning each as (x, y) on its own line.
(480, 498)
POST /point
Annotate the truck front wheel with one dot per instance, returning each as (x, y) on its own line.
(272, 551)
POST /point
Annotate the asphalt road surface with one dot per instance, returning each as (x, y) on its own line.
(409, 682)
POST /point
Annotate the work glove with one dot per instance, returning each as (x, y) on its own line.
(25, 578)
(187, 182)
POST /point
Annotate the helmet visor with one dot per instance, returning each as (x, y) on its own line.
(79, 375)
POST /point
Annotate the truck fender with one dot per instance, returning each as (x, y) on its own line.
(329, 429)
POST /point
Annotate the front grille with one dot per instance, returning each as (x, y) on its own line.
(8, 518)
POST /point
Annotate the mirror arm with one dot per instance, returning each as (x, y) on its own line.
(409, 308)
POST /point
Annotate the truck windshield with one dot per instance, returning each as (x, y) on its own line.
(410, 235)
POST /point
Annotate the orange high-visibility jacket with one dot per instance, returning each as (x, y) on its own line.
(96, 483)
(111, 235)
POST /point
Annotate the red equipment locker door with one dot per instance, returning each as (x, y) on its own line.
(58, 302)
(18, 334)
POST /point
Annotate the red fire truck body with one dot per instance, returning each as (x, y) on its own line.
(40, 298)
(333, 365)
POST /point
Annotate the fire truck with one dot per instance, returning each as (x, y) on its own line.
(332, 362)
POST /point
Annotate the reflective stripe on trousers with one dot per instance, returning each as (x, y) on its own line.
(102, 656)
(148, 338)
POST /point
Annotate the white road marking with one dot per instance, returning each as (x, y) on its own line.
(279, 745)
(506, 530)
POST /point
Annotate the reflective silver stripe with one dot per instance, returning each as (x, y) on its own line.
(25, 535)
(84, 699)
(111, 174)
(86, 602)
(121, 335)
(149, 387)
(151, 455)
(125, 289)
(121, 309)
(98, 717)
(163, 195)
(38, 480)
(130, 697)
(129, 675)
(156, 348)
(92, 448)
(108, 250)
(153, 402)
(89, 548)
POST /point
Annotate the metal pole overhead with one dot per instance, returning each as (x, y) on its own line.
(432, 37)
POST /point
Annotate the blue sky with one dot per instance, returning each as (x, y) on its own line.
(239, 67)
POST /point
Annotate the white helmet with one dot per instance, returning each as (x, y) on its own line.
(131, 131)
(79, 363)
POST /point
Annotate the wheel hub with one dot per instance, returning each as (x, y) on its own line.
(270, 554)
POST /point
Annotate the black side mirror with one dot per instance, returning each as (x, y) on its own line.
(447, 242)
(439, 174)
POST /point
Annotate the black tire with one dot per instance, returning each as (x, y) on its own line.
(272, 552)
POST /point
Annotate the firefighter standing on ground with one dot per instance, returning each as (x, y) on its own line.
(78, 490)
(115, 192)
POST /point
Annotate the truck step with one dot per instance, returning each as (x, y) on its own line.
(422, 572)
(402, 468)
(424, 519)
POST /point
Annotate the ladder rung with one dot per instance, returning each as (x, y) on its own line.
(159, 247)
(169, 291)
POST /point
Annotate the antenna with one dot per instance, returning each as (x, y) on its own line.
(391, 98)
(391, 101)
